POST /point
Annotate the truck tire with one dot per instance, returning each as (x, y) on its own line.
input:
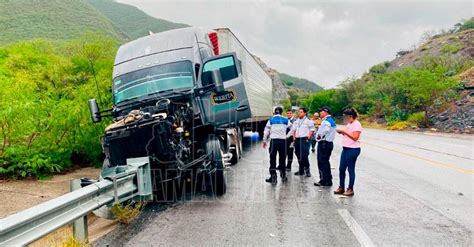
(240, 137)
(217, 181)
(237, 151)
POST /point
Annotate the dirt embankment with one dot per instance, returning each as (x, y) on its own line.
(18, 195)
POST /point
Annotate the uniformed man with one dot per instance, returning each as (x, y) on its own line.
(325, 137)
(275, 130)
(289, 141)
(302, 130)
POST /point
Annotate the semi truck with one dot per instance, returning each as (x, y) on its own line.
(183, 98)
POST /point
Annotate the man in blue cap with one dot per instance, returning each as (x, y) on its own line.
(275, 131)
(325, 137)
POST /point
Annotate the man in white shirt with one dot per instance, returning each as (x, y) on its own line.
(302, 130)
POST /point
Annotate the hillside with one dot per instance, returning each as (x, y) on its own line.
(284, 84)
(64, 20)
(131, 21)
(61, 20)
(291, 81)
(431, 86)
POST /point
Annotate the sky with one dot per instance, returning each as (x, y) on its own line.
(323, 41)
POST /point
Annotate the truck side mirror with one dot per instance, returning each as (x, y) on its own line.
(217, 79)
(94, 110)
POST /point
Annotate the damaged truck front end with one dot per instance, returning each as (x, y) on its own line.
(164, 110)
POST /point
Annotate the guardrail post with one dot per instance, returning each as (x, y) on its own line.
(79, 226)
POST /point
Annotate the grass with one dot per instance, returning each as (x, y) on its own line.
(71, 242)
(371, 124)
(127, 212)
(60, 238)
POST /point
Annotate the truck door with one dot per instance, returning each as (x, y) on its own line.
(228, 102)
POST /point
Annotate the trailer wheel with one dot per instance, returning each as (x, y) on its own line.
(218, 184)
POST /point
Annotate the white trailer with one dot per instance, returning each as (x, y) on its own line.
(258, 83)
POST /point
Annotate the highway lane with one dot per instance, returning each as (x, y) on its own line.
(411, 189)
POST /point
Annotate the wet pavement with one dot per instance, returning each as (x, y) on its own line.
(411, 189)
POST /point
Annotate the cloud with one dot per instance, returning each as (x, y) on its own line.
(324, 41)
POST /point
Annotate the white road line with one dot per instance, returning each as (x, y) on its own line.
(356, 229)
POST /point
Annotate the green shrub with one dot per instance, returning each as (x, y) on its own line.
(469, 24)
(329, 98)
(396, 115)
(44, 117)
(417, 119)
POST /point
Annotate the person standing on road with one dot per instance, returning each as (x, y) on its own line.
(317, 121)
(275, 130)
(325, 137)
(302, 131)
(289, 141)
(350, 151)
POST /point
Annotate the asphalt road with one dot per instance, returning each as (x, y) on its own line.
(411, 189)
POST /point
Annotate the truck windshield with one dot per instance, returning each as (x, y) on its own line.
(154, 79)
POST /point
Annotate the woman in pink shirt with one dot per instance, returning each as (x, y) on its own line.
(350, 151)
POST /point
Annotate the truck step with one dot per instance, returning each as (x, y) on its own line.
(226, 157)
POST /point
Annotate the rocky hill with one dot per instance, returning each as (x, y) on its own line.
(459, 115)
(454, 47)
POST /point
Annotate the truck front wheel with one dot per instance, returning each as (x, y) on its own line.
(217, 182)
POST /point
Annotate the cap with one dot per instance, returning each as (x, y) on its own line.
(278, 110)
(326, 109)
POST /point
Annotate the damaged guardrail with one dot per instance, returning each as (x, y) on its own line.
(117, 184)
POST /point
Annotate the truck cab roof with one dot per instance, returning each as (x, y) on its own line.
(160, 42)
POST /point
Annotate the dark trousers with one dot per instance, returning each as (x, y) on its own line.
(324, 153)
(289, 152)
(302, 152)
(277, 146)
(348, 162)
(313, 143)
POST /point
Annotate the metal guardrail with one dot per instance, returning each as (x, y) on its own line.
(117, 185)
